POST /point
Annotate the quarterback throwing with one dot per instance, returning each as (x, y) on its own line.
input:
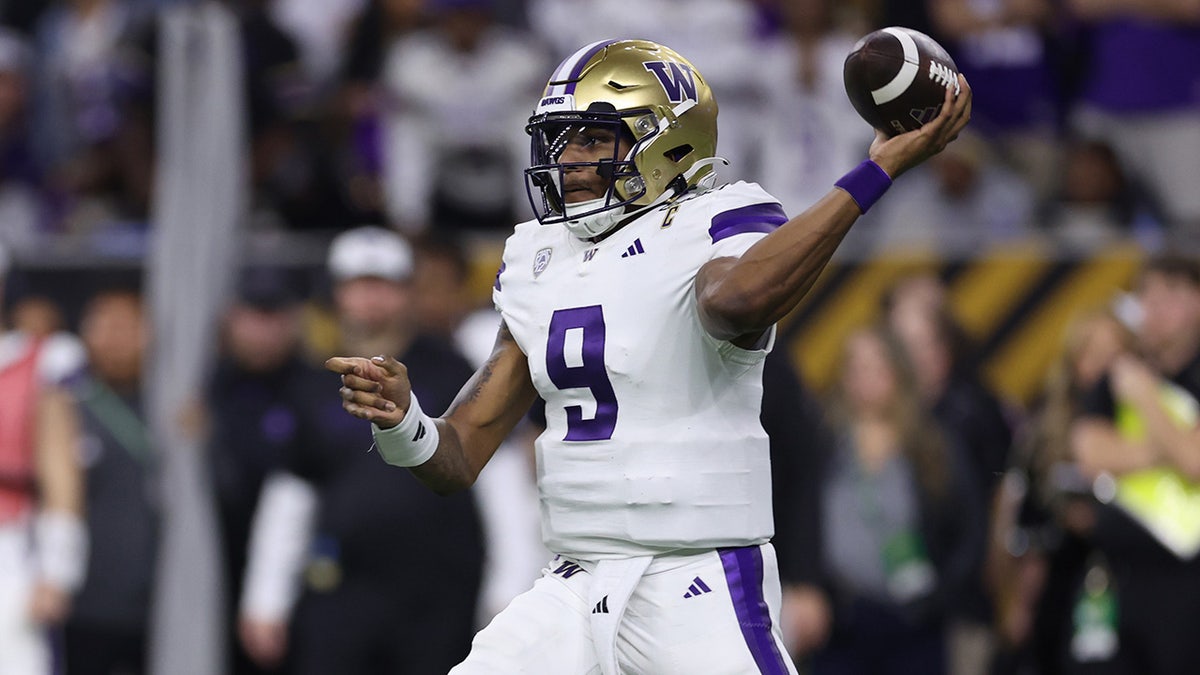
(639, 305)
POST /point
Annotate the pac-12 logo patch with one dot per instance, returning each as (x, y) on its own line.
(541, 261)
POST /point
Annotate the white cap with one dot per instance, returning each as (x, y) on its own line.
(370, 252)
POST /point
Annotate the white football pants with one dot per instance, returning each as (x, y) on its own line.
(715, 612)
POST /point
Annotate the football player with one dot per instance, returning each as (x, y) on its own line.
(640, 306)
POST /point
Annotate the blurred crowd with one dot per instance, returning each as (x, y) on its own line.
(410, 112)
(925, 524)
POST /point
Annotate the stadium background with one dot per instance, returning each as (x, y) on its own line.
(1014, 294)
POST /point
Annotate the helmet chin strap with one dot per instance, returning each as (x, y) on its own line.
(596, 224)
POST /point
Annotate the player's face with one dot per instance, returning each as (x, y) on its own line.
(588, 144)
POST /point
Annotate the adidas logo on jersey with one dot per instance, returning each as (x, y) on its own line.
(698, 587)
(634, 249)
(601, 607)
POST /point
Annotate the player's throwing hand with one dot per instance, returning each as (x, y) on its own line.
(897, 154)
(375, 389)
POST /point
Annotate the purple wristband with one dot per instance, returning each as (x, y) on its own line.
(865, 183)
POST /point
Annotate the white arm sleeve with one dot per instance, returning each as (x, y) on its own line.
(279, 541)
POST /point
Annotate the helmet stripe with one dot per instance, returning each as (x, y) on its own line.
(572, 66)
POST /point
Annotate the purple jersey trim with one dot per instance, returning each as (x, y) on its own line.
(754, 218)
(498, 273)
(744, 575)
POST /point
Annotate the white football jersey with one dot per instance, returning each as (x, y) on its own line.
(653, 441)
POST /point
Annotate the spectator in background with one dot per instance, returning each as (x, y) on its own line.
(918, 313)
(391, 571)
(294, 182)
(22, 15)
(79, 121)
(809, 134)
(507, 494)
(900, 524)
(795, 423)
(261, 392)
(360, 102)
(458, 95)
(22, 204)
(41, 494)
(292, 173)
(1140, 93)
(1002, 47)
(440, 289)
(320, 29)
(1095, 205)
(108, 629)
(1141, 420)
(915, 15)
(37, 315)
(961, 200)
(1044, 512)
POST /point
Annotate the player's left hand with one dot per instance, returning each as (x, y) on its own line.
(375, 389)
(898, 154)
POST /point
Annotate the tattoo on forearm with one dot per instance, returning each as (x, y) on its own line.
(481, 379)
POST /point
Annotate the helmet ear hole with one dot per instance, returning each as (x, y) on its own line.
(678, 152)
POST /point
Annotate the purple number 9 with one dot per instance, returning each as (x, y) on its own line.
(577, 334)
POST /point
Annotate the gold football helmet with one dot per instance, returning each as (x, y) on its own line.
(641, 91)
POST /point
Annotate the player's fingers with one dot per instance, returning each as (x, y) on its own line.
(361, 383)
(343, 364)
(361, 412)
(933, 129)
(956, 112)
(390, 365)
(366, 399)
(957, 101)
(965, 97)
(960, 121)
(970, 97)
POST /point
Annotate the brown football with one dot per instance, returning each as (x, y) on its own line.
(897, 78)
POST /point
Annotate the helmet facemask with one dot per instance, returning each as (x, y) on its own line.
(546, 178)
